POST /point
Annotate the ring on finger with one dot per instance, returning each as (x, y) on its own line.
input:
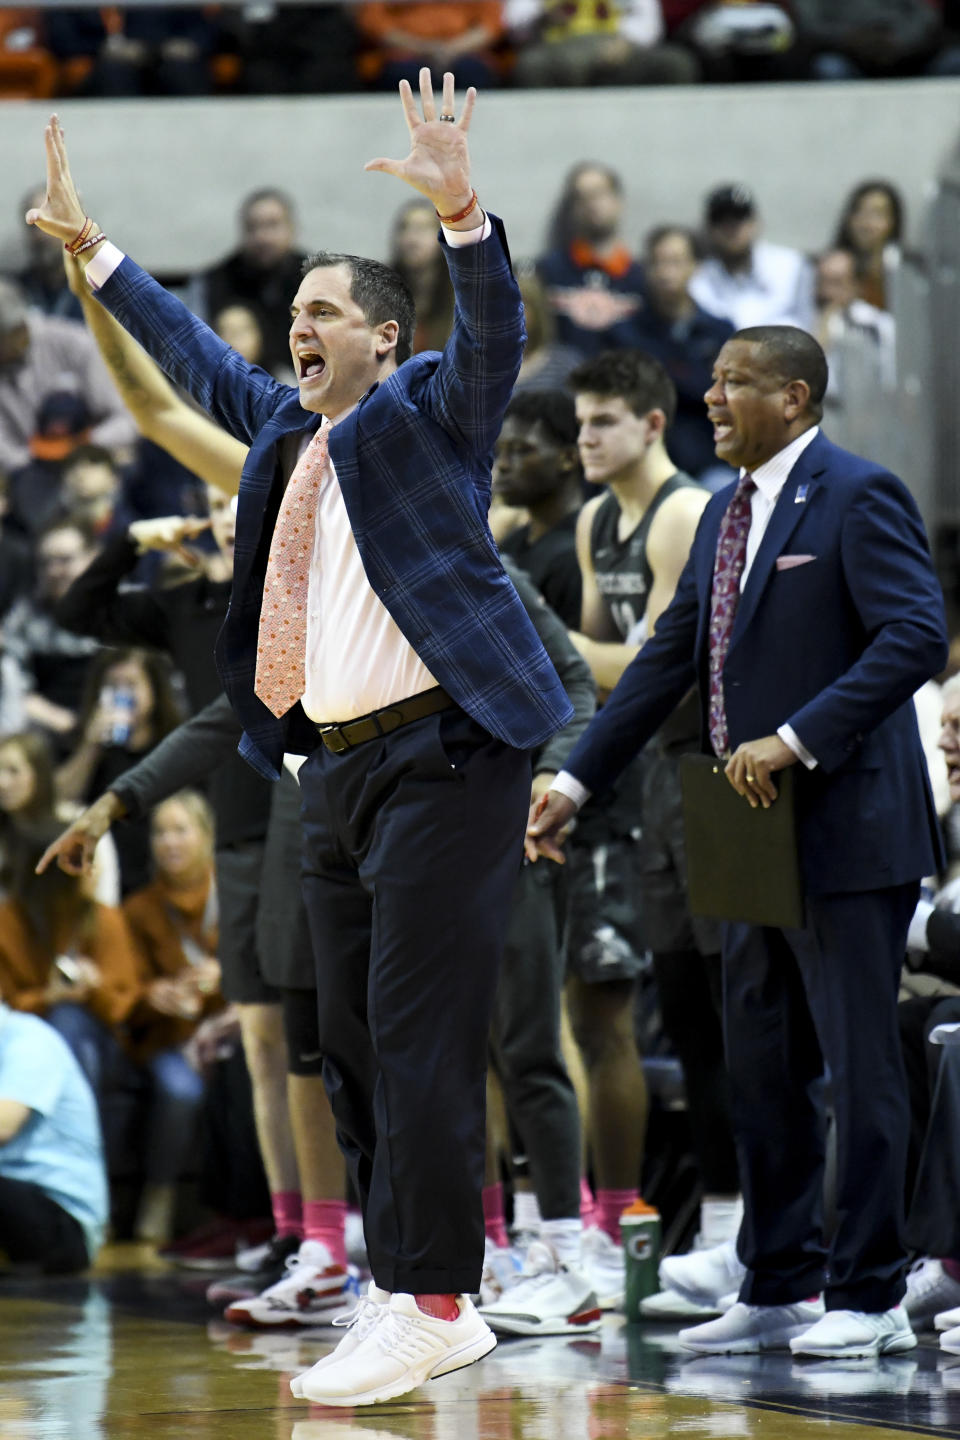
(451, 118)
(750, 779)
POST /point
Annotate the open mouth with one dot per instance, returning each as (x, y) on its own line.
(311, 364)
(721, 431)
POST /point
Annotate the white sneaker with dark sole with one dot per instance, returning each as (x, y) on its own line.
(748, 1329)
(404, 1349)
(358, 1324)
(849, 1334)
(547, 1298)
(313, 1291)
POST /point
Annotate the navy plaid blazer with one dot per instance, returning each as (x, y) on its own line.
(413, 461)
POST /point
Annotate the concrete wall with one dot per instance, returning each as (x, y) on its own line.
(165, 178)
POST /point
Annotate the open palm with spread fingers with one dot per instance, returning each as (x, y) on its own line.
(61, 213)
(438, 164)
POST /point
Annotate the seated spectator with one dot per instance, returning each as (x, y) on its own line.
(136, 50)
(874, 38)
(595, 42)
(591, 279)
(128, 707)
(415, 255)
(546, 363)
(686, 340)
(40, 355)
(262, 273)
(27, 70)
(53, 661)
(292, 49)
(36, 490)
(93, 491)
(65, 957)
(738, 40)
(28, 800)
(746, 280)
(871, 228)
(173, 921)
(53, 1184)
(404, 35)
(852, 333)
(42, 278)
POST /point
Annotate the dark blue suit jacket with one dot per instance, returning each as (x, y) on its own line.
(835, 647)
(413, 461)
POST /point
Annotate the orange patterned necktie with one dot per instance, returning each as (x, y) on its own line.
(282, 640)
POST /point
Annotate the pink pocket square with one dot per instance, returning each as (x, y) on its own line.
(790, 562)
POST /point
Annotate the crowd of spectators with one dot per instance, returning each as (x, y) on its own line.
(274, 49)
(115, 564)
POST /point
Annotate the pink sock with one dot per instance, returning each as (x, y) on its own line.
(494, 1216)
(324, 1220)
(287, 1213)
(440, 1307)
(610, 1206)
(587, 1205)
(952, 1268)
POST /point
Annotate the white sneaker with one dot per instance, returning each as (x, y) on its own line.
(849, 1333)
(403, 1349)
(604, 1264)
(502, 1265)
(547, 1298)
(930, 1291)
(671, 1305)
(359, 1323)
(747, 1329)
(947, 1319)
(950, 1340)
(354, 1240)
(704, 1276)
(311, 1292)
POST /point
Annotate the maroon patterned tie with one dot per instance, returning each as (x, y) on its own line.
(724, 598)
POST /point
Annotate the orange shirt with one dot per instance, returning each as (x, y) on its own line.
(25, 965)
(160, 919)
(429, 19)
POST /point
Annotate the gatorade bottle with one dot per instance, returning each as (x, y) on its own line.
(640, 1231)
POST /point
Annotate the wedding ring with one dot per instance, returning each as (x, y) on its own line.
(451, 118)
(750, 779)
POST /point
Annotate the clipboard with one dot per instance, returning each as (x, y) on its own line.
(742, 863)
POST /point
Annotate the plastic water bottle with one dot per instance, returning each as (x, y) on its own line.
(640, 1233)
(122, 702)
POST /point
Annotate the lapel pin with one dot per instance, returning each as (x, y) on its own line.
(801, 494)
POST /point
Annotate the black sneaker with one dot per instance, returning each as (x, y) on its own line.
(270, 1267)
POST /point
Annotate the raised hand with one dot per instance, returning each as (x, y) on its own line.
(170, 532)
(61, 213)
(438, 164)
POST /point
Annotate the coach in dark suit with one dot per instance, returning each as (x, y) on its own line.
(372, 625)
(807, 615)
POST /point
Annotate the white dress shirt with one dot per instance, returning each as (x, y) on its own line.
(769, 478)
(776, 289)
(357, 659)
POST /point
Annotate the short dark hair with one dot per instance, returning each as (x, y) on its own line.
(267, 192)
(553, 409)
(379, 291)
(794, 355)
(661, 232)
(630, 375)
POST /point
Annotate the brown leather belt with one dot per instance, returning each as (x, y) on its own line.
(344, 736)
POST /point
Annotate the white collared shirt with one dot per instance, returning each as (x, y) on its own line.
(769, 478)
(776, 289)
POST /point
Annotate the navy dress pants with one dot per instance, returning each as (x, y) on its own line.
(412, 847)
(799, 1004)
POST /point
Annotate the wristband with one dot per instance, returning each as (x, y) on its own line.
(88, 244)
(79, 238)
(461, 214)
